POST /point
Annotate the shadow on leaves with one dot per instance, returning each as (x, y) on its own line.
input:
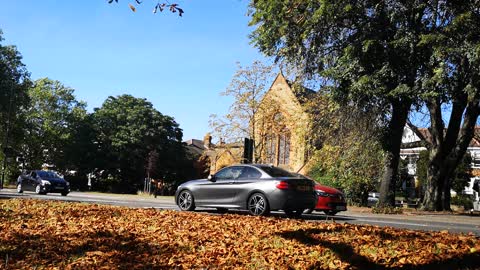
(347, 253)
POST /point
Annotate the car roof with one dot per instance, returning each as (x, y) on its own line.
(253, 165)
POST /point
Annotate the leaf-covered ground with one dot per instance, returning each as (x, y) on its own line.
(55, 235)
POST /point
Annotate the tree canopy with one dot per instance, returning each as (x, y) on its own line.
(127, 130)
(377, 54)
(14, 82)
(50, 122)
(451, 78)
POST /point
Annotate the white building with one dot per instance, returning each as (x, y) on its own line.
(412, 145)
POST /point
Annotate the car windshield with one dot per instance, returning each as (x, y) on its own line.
(44, 174)
(276, 172)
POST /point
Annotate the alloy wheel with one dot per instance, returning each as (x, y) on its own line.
(185, 201)
(258, 205)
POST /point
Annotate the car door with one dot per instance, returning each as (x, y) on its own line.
(32, 181)
(248, 180)
(24, 180)
(218, 192)
(26, 183)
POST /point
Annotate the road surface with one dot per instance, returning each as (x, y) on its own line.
(454, 223)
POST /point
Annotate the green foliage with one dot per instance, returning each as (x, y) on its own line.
(349, 155)
(353, 165)
(462, 174)
(127, 130)
(463, 200)
(451, 78)
(51, 119)
(368, 52)
(14, 82)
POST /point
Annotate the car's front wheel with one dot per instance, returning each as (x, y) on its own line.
(38, 190)
(258, 205)
(19, 188)
(185, 201)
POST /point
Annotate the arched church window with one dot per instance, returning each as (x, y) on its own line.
(284, 148)
(278, 142)
(271, 148)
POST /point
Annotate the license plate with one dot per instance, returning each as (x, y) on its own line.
(340, 208)
(59, 187)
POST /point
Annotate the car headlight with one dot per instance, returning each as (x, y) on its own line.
(322, 193)
(45, 182)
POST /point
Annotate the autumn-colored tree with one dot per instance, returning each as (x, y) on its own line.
(248, 86)
(349, 155)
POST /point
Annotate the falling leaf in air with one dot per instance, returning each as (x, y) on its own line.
(132, 7)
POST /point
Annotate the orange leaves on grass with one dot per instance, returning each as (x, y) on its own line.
(42, 234)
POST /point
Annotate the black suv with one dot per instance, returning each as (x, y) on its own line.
(42, 182)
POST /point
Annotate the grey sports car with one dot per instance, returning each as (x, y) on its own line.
(255, 187)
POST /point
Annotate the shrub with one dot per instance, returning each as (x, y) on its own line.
(387, 210)
(463, 200)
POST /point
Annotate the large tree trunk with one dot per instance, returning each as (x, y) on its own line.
(447, 149)
(434, 187)
(391, 143)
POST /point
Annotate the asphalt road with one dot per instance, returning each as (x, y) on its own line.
(413, 221)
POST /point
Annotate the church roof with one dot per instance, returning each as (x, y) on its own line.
(301, 92)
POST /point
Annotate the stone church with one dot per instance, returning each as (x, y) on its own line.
(280, 127)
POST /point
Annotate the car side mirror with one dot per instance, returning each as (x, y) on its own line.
(211, 178)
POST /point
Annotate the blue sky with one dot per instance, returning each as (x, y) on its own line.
(180, 64)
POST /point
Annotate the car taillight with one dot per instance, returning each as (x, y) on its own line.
(283, 185)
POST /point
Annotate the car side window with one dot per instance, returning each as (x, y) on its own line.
(33, 174)
(249, 173)
(228, 173)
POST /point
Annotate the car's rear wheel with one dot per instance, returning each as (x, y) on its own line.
(185, 201)
(295, 213)
(258, 205)
(330, 212)
(19, 188)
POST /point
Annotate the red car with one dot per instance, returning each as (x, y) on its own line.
(330, 200)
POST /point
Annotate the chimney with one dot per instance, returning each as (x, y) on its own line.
(207, 141)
